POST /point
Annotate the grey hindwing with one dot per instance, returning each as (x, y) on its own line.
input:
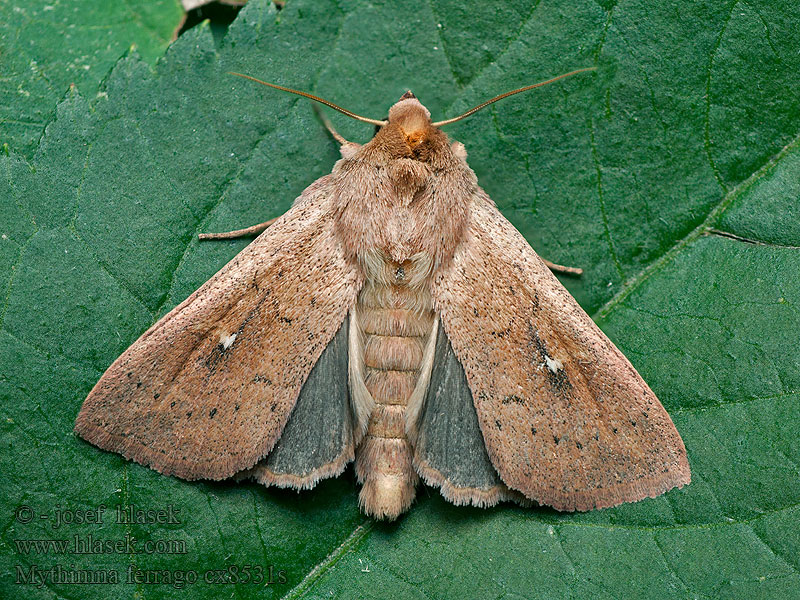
(320, 428)
(450, 439)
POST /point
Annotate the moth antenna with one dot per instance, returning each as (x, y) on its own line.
(312, 97)
(472, 111)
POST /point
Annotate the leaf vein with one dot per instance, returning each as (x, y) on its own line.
(602, 203)
(707, 118)
(350, 543)
(713, 215)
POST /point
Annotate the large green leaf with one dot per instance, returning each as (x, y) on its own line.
(47, 45)
(683, 131)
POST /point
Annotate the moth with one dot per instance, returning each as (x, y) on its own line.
(392, 317)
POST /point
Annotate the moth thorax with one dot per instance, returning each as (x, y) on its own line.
(409, 179)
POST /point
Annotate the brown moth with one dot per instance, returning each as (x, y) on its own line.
(393, 317)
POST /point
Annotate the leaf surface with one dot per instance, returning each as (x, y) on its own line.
(48, 45)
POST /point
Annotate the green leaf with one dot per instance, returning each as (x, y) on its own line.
(669, 176)
(48, 45)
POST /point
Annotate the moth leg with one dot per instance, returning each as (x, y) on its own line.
(562, 269)
(346, 147)
(329, 126)
(228, 235)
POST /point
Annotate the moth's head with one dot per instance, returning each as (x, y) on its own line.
(410, 116)
(410, 123)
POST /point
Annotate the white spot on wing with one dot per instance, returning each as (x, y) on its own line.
(553, 364)
(227, 340)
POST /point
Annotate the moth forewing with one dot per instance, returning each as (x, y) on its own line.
(208, 389)
(566, 418)
(462, 361)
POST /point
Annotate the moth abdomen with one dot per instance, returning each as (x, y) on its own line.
(390, 352)
(396, 320)
(390, 387)
(389, 421)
